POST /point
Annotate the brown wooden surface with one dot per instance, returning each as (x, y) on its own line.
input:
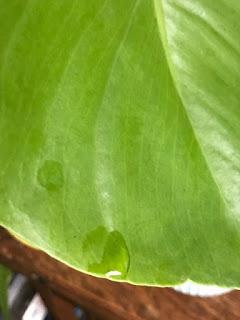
(59, 308)
(109, 300)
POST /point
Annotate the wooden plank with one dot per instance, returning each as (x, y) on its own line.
(58, 307)
(109, 300)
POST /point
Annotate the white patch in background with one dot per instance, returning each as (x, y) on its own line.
(36, 309)
(201, 290)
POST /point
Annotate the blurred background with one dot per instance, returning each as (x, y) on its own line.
(26, 303)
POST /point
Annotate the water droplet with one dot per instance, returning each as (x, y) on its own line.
(50, 175)
(106, 253)
(113, 273)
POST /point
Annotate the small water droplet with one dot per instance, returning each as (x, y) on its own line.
(50, 175)
(113, 273)
(107, 253)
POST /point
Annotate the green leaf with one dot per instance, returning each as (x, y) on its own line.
(4, 279)
(119, 136)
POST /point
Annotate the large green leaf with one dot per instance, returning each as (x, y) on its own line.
(119, 134)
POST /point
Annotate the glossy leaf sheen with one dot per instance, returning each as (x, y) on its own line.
(119, 133)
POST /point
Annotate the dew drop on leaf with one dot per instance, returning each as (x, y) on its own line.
(50, 175)
(107, 253)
